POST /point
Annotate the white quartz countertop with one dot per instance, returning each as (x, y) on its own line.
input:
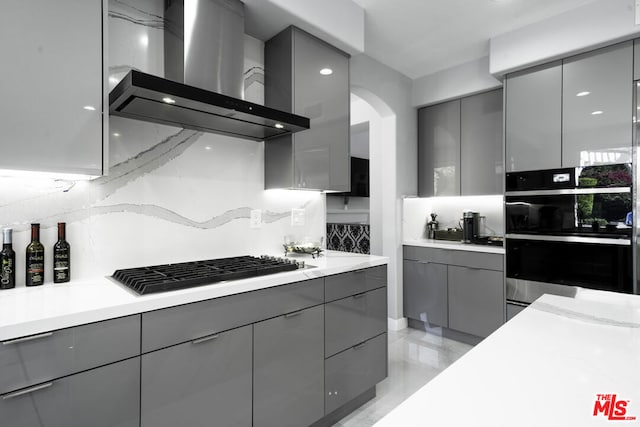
(545, 367)
(459, 246)
(27, 311)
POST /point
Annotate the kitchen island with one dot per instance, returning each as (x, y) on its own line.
(288, 349)
(561, 362)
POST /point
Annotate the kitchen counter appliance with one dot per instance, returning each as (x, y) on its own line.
(568, 228)
(168, 277)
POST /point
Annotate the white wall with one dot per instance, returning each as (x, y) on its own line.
(393, 150)
(455, 82)
(593, 25)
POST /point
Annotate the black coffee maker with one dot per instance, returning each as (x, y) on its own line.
(470, 226)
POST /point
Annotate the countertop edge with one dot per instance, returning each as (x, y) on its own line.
(125, 303)
(454, 246)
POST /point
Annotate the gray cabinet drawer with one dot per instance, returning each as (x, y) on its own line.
(354, 371)
(196, 383)
(354, 319)
(174, 325)
(487, 261)
(354, 282)
(44, 357)
(288, 363)
(104, 397)
(476, 300)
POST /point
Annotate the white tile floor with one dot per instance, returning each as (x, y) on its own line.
(415, 357)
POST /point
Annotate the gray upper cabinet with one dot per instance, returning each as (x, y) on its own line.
(288, 369)
(200, 382)
(596, 109)
(317, 158)
(636, 59)
(53, 76)
(533, 126)
(481, 144)
(439, 150)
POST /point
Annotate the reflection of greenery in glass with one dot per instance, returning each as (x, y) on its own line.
(613, 206)
(585, 201)
(443, 180)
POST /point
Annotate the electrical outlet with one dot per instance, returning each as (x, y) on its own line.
(297, 217)
(255, 220)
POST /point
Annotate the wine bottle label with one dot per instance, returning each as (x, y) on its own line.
(6, 272)
(35, 268)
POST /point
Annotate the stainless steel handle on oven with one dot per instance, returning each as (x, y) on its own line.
(205, 339)
(26, 391)
(570, 191)
(30, 338)
(570, 239)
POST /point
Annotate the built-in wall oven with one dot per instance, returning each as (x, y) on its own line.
(568, 228)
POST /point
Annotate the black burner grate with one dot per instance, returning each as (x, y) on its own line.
(168, 277)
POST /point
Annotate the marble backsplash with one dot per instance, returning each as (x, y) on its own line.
(171, 194)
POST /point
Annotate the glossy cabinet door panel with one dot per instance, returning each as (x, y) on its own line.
(51, 84)
(636, 59)
(481, 145)
(425, 292)
(342, 285)
(354, 319)
(533, 118)
(355, 370)
(39, 358)
(439, 150)
(104, 397)
(317, 158)
(476, 300)
(288, 369)
(200, 383)
(597, 106)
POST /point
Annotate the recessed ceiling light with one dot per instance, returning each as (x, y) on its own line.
(597, 113)
(89, 108)
(116, 134)
(585, 93)
(113, 80)
(168, 100)
(207, 147)
(279, 126)
(326, 71)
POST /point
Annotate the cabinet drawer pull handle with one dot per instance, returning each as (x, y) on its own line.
(359, 346)
(360, 295)
(32, 337)
(26, 391)
(293, 314)
(205, 339)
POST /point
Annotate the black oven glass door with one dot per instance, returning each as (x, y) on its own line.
(599, 214)
(588, 265)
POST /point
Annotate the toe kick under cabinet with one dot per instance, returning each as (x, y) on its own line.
(457, 289)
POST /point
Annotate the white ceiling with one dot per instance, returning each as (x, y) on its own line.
(420, 37)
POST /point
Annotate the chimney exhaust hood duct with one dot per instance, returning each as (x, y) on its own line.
(204, 58)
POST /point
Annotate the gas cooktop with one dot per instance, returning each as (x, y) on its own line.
(168, 277)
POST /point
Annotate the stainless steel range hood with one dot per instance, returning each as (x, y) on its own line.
(204, 55)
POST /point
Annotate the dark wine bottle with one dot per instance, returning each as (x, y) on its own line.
(7, 261)
(61, 257)
(35, 258)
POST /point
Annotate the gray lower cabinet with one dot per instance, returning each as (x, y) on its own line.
(476, 300)
(514, 309)
(288, 369)
(481, 154)
(425, 292)
(355, 370)
(354, 319)
(439, 150)
(108, 396)
(204, 382)
(43, 357)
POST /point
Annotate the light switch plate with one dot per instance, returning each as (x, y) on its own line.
(297, 216)
(255, 220)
